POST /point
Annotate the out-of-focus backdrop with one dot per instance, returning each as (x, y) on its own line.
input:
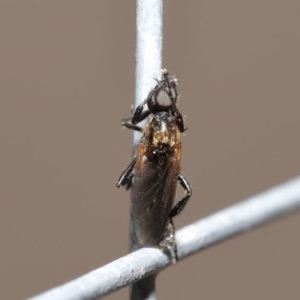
(66, 80)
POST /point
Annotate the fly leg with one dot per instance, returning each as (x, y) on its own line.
(127, 122)
(168, 242)
(126, 177)
(181, 204)
(141, 112)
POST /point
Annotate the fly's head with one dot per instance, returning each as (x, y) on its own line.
(162, 137)
(164, 95)
(163, 98)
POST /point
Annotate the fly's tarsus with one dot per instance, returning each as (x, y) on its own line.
(168, 243)
(127, 122)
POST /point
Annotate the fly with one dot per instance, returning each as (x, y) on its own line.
(154, 172)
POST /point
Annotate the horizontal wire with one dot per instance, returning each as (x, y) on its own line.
(241, 217)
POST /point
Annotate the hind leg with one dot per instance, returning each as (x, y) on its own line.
(168, 242)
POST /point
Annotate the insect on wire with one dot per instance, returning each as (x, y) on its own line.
(154, 172)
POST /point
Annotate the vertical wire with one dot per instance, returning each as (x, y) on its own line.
(149, 24)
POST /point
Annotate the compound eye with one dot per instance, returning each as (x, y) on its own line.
(162, 99)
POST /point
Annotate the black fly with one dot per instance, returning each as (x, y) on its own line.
(154, 172)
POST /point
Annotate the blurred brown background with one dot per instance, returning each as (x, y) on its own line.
(66, 80)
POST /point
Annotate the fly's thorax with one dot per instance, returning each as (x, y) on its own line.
(161, 136)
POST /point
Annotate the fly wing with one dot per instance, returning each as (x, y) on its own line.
(152, 198)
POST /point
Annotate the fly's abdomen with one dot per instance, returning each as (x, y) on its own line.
(152, 198)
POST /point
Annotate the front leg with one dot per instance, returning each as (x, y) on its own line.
(127, 122)
(126, 176)
(181, 204)
(179, 121)
(141, 112)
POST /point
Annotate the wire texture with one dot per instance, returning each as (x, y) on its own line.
(241, 217)
(149, 23)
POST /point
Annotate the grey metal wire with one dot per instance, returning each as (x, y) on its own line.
(149, 23)
(241, 217)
